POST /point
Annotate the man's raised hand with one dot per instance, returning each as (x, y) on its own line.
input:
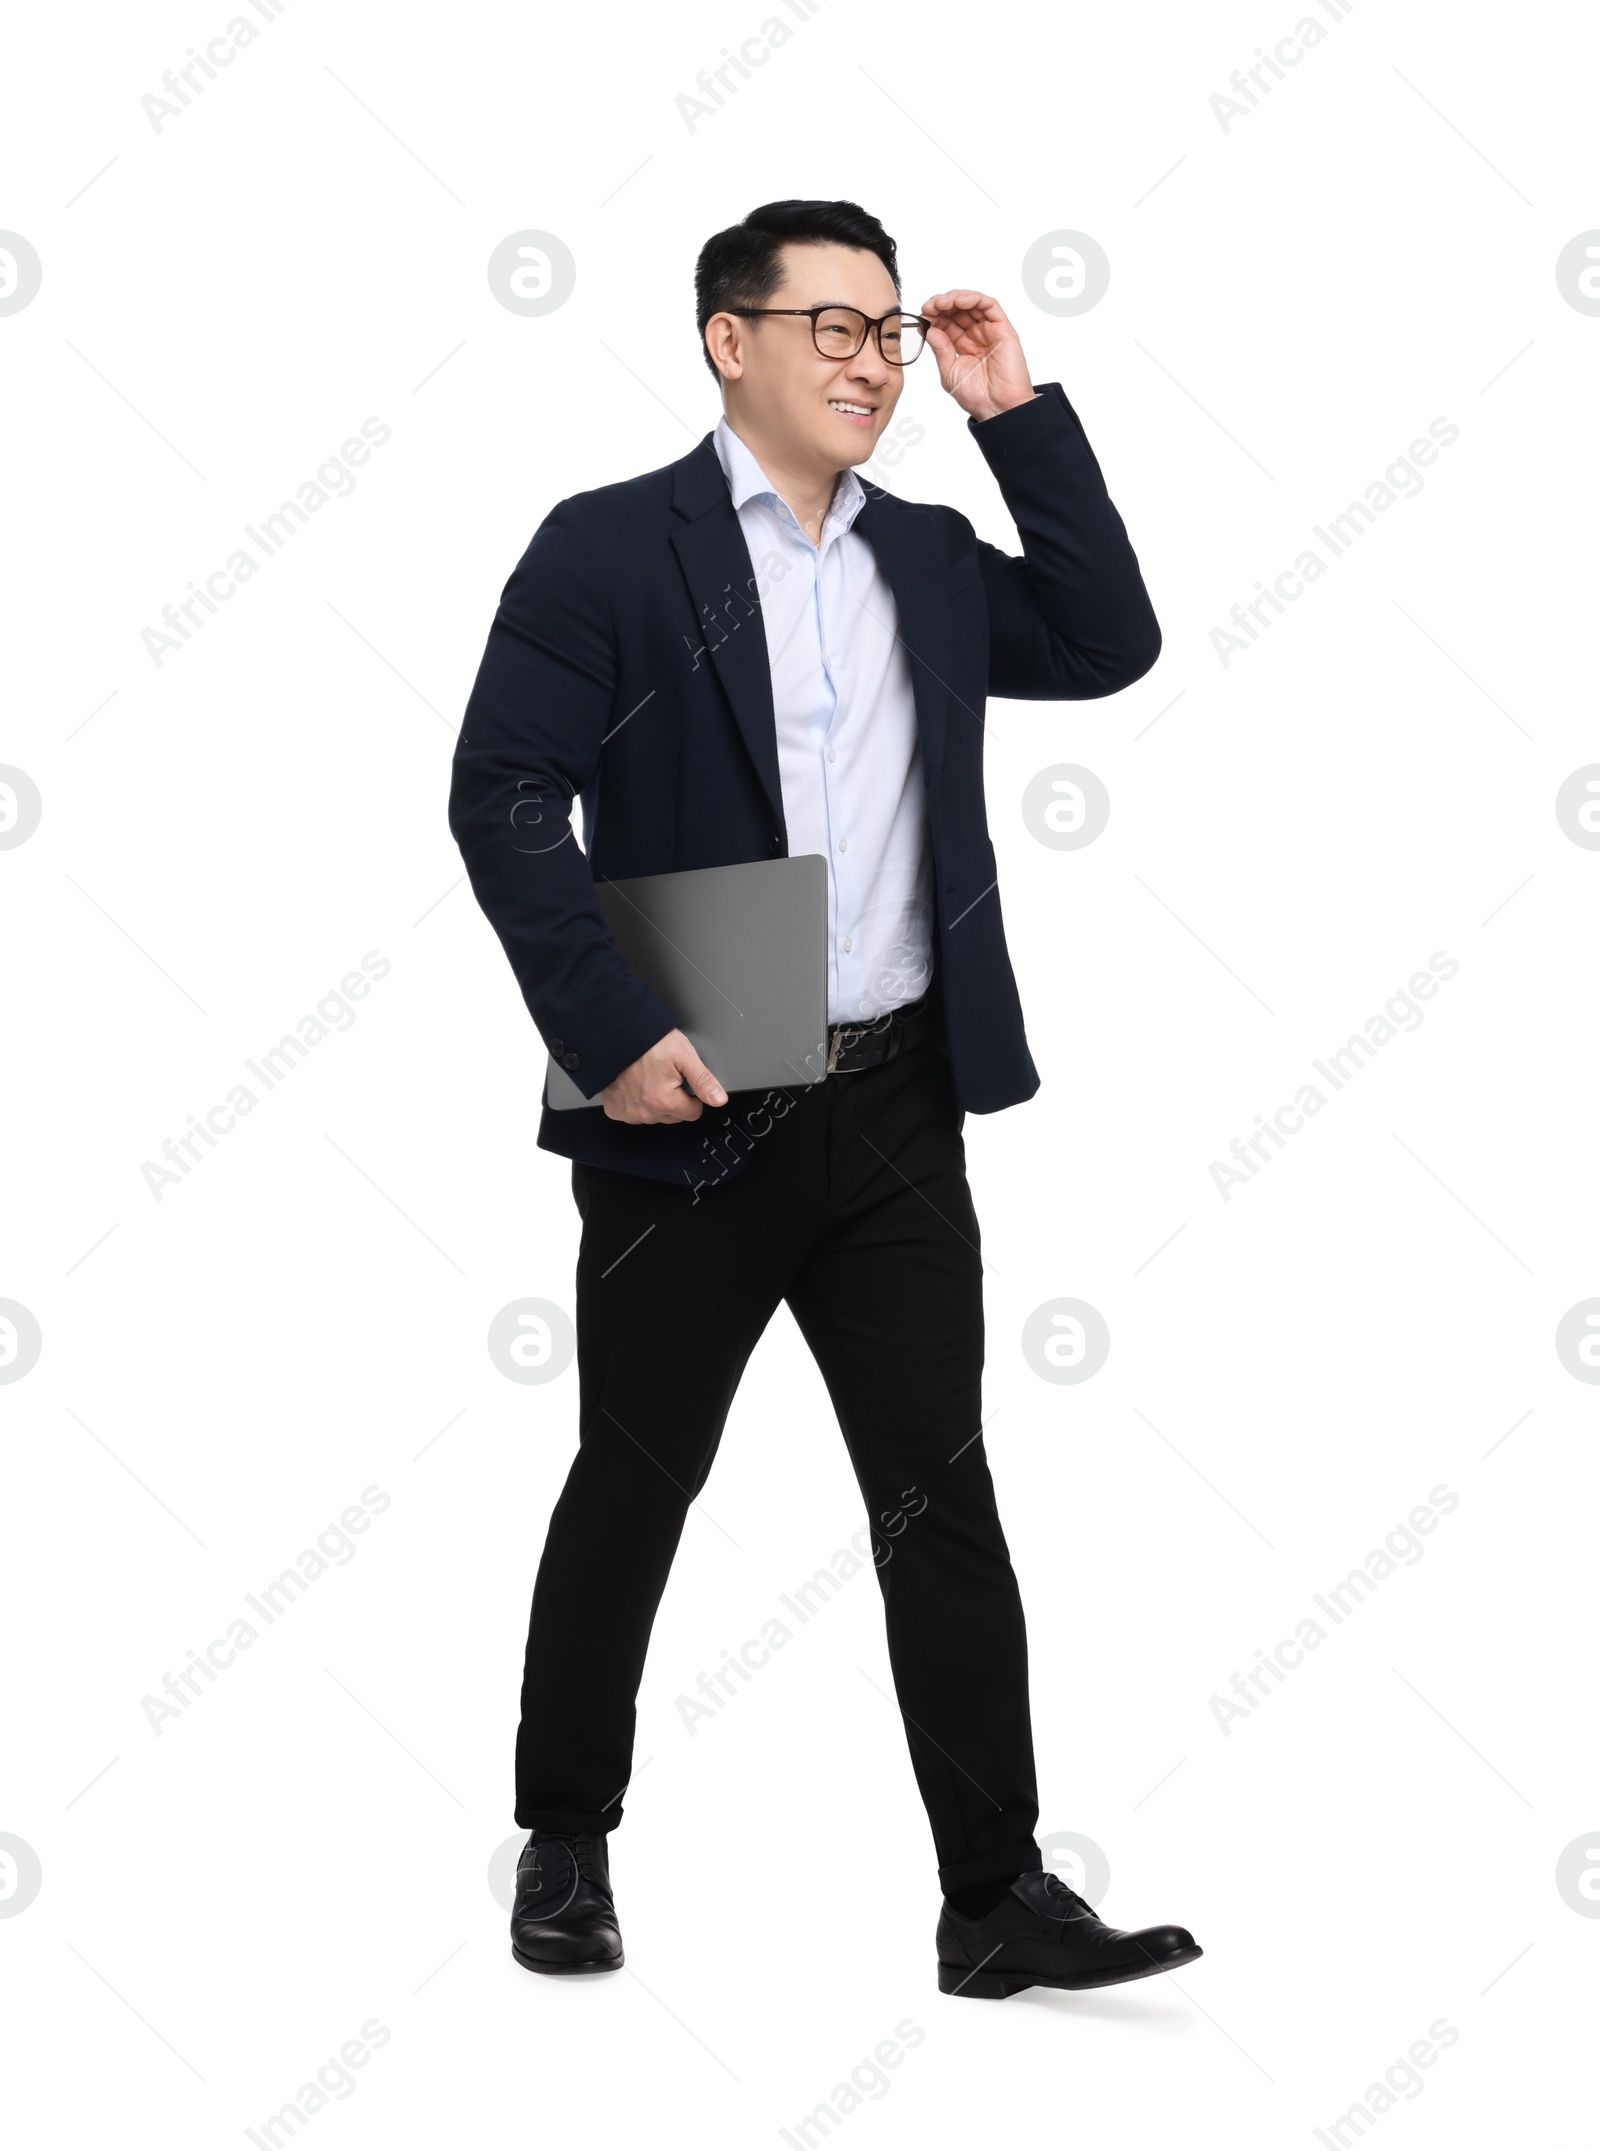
(979, 352)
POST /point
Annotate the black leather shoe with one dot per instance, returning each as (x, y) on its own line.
(1041, 1934)
(563, 1919)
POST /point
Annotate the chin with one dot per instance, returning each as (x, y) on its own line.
(861, 451)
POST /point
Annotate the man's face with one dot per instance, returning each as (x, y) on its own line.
(830, 412)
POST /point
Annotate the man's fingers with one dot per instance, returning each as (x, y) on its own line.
(699, 1077)
(946, 302)
(652, 1089)
(676, 1104)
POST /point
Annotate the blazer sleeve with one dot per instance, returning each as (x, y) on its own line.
(531, 741)
(1071, 619)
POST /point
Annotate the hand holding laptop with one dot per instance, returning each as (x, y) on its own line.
(739, 954)
(669, 1082)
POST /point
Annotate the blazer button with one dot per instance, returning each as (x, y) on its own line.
(558, 1046)
(569, 1060)
(774, 842)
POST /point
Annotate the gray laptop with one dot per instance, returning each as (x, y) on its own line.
(740, 955)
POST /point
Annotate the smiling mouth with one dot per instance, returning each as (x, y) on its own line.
(860, 414)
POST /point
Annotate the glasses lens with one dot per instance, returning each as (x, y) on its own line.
(840, 332)
(902, 339)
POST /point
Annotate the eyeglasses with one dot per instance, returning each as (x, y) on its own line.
(840, 331)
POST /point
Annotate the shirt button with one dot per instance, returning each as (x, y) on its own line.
(832, 757)
(844, 843)
(848, 944)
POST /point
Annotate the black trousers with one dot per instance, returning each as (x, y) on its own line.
(852, 1206)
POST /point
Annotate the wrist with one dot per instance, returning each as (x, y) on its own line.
(997, 408)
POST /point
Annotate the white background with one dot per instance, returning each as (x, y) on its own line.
(307, 1848)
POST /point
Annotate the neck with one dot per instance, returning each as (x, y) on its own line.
(806, 490)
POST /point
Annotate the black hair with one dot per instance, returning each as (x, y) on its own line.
(742, 266)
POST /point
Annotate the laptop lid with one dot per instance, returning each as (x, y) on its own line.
(740, 955)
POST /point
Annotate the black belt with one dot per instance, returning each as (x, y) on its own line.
(853, 1046)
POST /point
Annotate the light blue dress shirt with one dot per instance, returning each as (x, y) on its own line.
(848, 752)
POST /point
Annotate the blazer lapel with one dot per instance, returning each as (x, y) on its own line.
(721, 577)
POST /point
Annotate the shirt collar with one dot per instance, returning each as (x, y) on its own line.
(748, 481)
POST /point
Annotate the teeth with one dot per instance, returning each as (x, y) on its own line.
(862, 410)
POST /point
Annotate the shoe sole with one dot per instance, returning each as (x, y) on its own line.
(538, 1964)
(995, 1986)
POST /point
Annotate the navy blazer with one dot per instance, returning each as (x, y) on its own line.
(627, 665)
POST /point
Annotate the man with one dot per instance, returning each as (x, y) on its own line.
(748, 655)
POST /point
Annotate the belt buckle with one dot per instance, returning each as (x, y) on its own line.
(847, 1036)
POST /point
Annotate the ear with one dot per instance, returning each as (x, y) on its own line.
(724, 341)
